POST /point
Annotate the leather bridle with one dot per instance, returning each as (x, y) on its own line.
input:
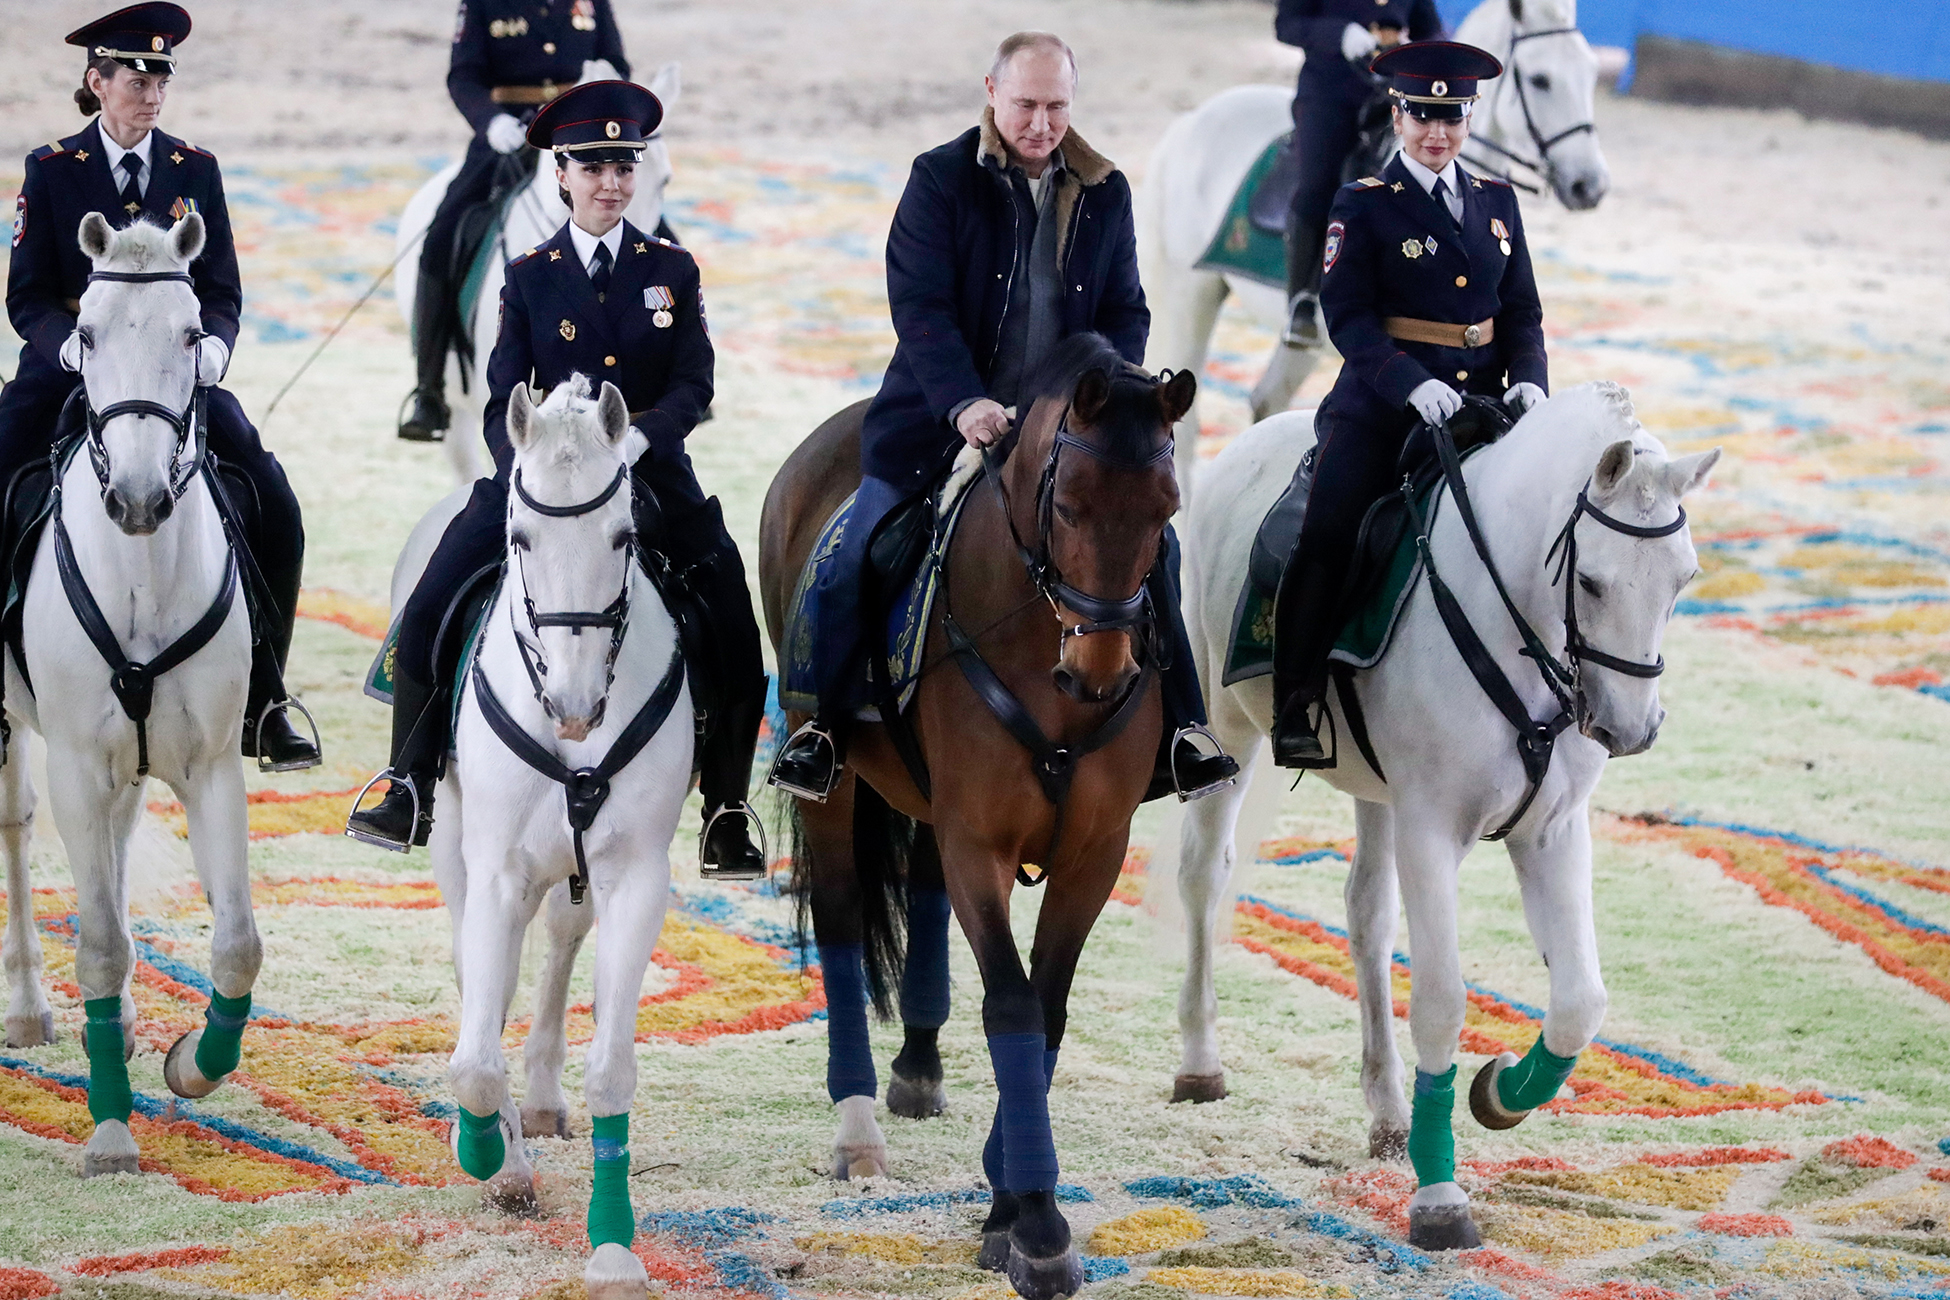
(615, 616)
(1542, 165)
(191, 423)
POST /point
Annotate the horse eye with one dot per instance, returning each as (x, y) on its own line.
(1541, 81)
(623, 537)
(518, 539)
(1590, 587)
(87, 333)
(1067, 515)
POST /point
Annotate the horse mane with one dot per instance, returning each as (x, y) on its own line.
(566, 420)
(1128, 428)
(141, 245)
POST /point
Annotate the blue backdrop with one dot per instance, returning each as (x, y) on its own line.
(1881, 36)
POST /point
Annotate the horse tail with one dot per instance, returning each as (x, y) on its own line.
(884, 843)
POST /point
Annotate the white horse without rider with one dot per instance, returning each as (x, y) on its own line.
(1538, 116)
(530, 217)
(1579, 507)
(572, 762)
(137, 645)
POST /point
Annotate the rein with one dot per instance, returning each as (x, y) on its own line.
(1542, 165)
(1055, 765)
(1536, 739)
(584, 789)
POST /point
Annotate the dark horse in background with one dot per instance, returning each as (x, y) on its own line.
(1078, 508)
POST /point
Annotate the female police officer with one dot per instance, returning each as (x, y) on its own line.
(123, 166)
(606, 300)
(1428, 294)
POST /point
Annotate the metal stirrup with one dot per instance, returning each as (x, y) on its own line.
(816, 732)
(367, 837)
(740, 809)
(264, 764)
(1218, 750)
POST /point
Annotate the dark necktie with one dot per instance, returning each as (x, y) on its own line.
(131, 193)
(599, 276)
(1442, 198)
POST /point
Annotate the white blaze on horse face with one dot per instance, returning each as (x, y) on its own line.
(568, 452)
(139, 344)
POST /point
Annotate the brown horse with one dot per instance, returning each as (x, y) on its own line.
(1042, 634)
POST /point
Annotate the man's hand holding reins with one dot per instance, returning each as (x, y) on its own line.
(982, 423)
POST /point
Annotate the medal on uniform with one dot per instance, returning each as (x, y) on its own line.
(583, 17)
(660, 300)
(1428, 246)
(1502, 233)
(568, 331)
(1411, 248)
(181, 208)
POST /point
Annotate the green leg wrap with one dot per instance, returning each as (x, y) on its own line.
(610, 1216)
(108, 1069)
(481, 1147)
(223, 1035)
(1431, 1141)
(1535, 1079)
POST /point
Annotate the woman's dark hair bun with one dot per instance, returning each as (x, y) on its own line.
(85, 99)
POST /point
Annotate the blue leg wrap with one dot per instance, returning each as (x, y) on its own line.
(924, 985)
(849, 1054)
(1022, 1080)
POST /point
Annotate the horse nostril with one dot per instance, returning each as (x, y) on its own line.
(1066, 682)
(116, 507)
(165, 507)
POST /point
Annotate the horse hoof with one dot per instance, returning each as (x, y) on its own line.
(1387, 1142)
(1045, 1279)
(180, 1072)
(1442, 1227)
(512, 1195)
(613, 1273)
(1483, 1103)
(30, 1031)
(994, 1254)
(916, 1098)
(1198, 1087)
(544, 1122)
(858, 1164)
(94, 1166)
(110, 1150)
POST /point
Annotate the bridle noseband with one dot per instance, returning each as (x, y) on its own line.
(1543, 165)
(615, 616)
(191, 423)
(1576, 648)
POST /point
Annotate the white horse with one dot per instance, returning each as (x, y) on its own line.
(136, 547)
(530, 217)
(1539, 113)
(1577, 468)
(578, 691)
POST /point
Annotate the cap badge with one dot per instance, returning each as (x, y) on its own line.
(568, 331)
(612, 129)
(156, 44)
(1411, 249)
(1439, 88)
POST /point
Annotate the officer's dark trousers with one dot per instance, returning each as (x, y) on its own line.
(689, 530)
(435, 302)
(30, 407)
(1324, 133)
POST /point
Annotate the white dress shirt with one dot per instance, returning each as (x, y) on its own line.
(141, 150)
(586, 245)
(1450, 176)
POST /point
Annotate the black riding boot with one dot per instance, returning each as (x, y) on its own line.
(274, 564)
(725, 848)
(1184, 767)
(1304, 628)
(428, 419)
(404, 817)
(1303, 254)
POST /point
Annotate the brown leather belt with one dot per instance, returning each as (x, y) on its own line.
(1448, 336)
(526, 94)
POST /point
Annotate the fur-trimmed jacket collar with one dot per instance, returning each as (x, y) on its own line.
(1082, 167)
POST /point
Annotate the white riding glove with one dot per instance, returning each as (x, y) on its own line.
(71, 352)
(1435, 401)
(212, 359)
(1522, 397)
(1357, 43)
(504, 134)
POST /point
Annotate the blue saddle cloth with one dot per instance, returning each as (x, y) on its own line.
(905, 640)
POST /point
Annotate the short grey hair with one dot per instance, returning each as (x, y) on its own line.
(1020, 41)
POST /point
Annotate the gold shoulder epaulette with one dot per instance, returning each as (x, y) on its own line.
(1370, 182)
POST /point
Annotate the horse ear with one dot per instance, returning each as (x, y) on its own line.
(1613, 466)
(667, 84)
(613, 413)
(521, 417)
(1176, 395)
(94, 236)
(186, 236)
(1689, 472)
(1092, 392)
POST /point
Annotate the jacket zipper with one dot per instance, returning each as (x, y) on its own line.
(1015, 252)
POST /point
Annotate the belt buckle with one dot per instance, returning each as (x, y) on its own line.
(1472, 335)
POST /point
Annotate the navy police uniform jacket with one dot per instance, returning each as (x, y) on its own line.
(950, 254)
(1316, 26)
(64, 183)
(1392, 250)
(526, 43)
(552, 326)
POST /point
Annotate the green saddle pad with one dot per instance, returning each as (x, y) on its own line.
(1240, 247)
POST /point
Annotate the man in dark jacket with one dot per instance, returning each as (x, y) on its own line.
(1009, 238)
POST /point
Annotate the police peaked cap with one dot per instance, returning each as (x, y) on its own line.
(599, 121)
(1435, 78)
(143, 37)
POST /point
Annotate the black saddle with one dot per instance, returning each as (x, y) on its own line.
(1374, 142)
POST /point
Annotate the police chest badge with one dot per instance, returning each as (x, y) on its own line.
(1411, 249)
(568, 331)
(1336, 236)
(659, 299)
(1502, 233)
